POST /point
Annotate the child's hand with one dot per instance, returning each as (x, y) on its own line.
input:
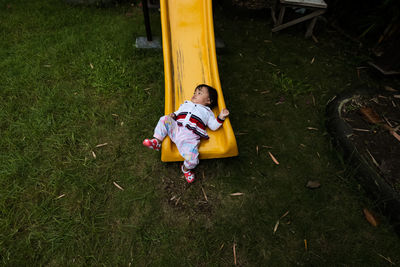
(224, 113)
(172, 115)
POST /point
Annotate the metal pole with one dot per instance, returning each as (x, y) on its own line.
(147, 20)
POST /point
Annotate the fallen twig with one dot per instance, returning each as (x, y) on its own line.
(373, 159)
(276, 226)
(273, 158)
(118, 186)
(204, 193)
(100, 145)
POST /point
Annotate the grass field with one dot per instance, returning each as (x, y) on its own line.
(71, 79)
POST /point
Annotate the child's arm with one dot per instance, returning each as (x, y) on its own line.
(214, 123)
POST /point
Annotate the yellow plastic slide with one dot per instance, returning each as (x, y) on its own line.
(190, 60)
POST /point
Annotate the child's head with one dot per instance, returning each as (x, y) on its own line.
(205, 95)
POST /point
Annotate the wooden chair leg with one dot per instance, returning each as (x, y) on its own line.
(281, 14)
(273, 16)
(311, 27)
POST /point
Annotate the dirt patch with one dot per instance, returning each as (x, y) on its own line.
(188, 198)
(373, 140)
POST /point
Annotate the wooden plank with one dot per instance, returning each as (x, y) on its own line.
(309, 3)
(293, 22)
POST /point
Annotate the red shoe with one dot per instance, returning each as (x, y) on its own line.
(189, 175)
(152, 144)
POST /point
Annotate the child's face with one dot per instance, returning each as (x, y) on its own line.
(201, 96)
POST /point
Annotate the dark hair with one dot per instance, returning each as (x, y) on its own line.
(212, 94)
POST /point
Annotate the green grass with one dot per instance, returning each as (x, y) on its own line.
(70, 79)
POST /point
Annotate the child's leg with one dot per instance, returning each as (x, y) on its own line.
(188, 145)
(190, 152)
(165, 126)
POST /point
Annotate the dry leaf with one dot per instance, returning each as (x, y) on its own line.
(118, 186)
(273, 158)
(257, 150)
(360, 130)
(305, 244)
(370, 218)
(386, 258)
(60, 196)
(91, 66)
(390, 89)
(177, 201)
(312, 128)
(284, 215)
(93, 154)
(204, 193)
(371, 115)
(395, 135)
(237, 194)
(100, 145)
(312, 60)
(234, 253)
(313, 184)
(276, 226)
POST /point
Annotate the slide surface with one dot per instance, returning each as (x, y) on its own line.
(189, 60)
